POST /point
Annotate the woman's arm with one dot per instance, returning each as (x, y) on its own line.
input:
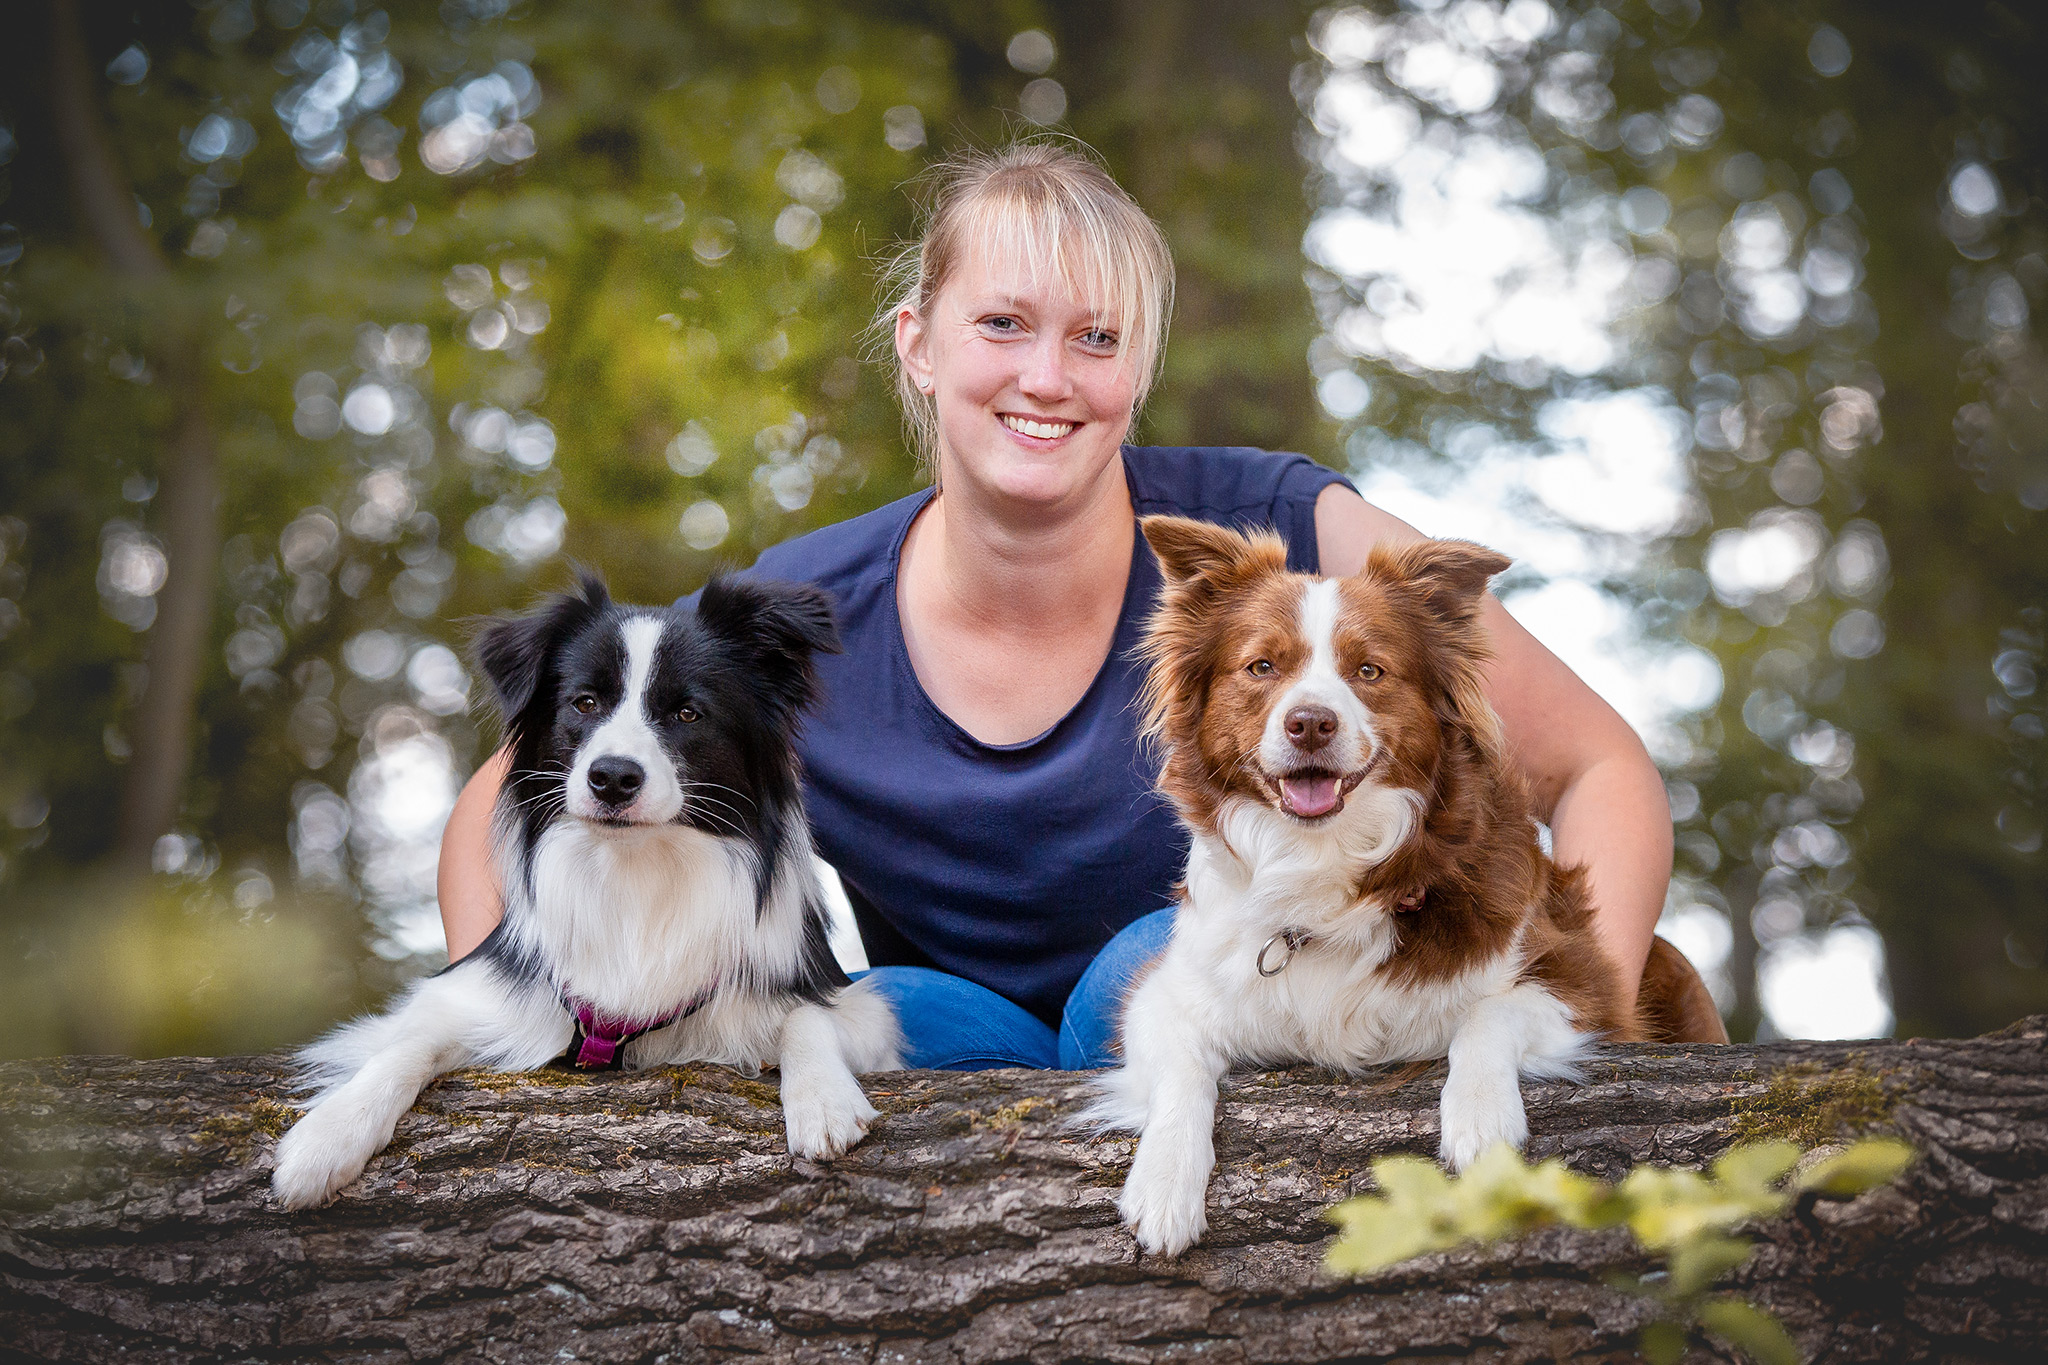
(471, 903)
(1592, 780)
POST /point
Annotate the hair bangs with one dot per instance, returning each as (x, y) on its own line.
(1062, 240)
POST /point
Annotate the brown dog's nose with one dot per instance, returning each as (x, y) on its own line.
(1311, 727)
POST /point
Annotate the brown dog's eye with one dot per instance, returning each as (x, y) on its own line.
(1369, 672)
(1259, 668)
(686, 714)
(584, 704)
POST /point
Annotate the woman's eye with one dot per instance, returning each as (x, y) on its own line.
(1098, 340)
(686, 714)
(1369, 672)
(1002, 324)
(1259, 668)
(584, 704)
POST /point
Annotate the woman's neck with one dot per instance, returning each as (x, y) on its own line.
(1009, 613)
(1024, 571)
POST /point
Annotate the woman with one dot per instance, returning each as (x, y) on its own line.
(973, 772)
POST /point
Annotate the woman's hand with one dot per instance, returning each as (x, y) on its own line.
(471, 900)
(1592, 781)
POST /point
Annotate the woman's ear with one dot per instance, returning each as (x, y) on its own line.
(912, 349)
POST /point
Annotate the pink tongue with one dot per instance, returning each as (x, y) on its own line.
(1309, 796)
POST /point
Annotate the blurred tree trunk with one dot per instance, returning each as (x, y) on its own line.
(1961, 898)
(656, 1215)
(188, 492)
(1193, 107)
(1747, 1014)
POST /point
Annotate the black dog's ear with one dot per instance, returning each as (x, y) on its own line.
(779, 625)
(788, 618)
(590, 583)
(512, 651)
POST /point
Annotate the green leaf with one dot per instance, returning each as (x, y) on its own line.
(1378, 1234)
(1419, 1209)
(1755, 1166)
(1415, 1212)
(1662, 1343)
(1697, 1263)
(1573, 1198)
(1502, 1195)
(1751, 1330)
(1410, 1179)
(1668, 1208)
(1863, 1166)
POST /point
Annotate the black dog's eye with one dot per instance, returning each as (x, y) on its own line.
(1259, 668)
(686, 714)
(1370, 672)
(584, 704)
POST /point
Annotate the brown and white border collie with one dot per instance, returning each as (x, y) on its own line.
(1365, 884)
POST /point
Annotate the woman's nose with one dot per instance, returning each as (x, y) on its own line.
(1045, 370)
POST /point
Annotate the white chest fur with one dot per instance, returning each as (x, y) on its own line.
(639, 921)
(1332, 1003)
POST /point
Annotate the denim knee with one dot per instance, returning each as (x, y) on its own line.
(952, 1024)
(1088, 1027)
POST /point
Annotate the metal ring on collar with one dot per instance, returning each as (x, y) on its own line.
(1291, 939)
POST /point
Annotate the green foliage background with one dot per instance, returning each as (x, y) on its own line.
(629, 278)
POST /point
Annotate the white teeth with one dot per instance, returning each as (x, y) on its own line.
(1044, 430)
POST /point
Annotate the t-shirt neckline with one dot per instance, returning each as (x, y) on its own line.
(934, 713)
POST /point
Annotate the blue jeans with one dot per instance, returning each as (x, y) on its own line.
(951, 1024)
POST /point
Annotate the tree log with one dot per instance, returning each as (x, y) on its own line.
(655, 1215)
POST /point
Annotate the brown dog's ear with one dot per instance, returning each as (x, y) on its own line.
(1190, 549)
(1450, 574)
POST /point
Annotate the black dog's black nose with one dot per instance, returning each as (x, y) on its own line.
(615, 781)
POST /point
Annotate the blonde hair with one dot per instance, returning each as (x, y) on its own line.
(1051, 205)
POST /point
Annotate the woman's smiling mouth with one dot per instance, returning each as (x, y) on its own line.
(1044, 431)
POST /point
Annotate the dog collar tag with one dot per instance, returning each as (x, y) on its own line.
(1292, 941)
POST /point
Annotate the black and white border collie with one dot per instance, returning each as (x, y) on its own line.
(662, 903)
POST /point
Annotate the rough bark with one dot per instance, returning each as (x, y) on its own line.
(188, 480)
(656, 1216)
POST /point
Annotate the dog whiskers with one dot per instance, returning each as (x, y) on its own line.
(695, 794)
(689, 785)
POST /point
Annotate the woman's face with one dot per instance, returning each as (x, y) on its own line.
(1032, 394)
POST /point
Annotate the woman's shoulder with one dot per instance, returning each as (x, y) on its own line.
(1224, 483)
(838, 556)
(844, 558)
(1238, 486)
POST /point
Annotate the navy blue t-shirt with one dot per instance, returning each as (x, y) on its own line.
(1008, 864)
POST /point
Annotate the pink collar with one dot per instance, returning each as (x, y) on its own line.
(600, 1041)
